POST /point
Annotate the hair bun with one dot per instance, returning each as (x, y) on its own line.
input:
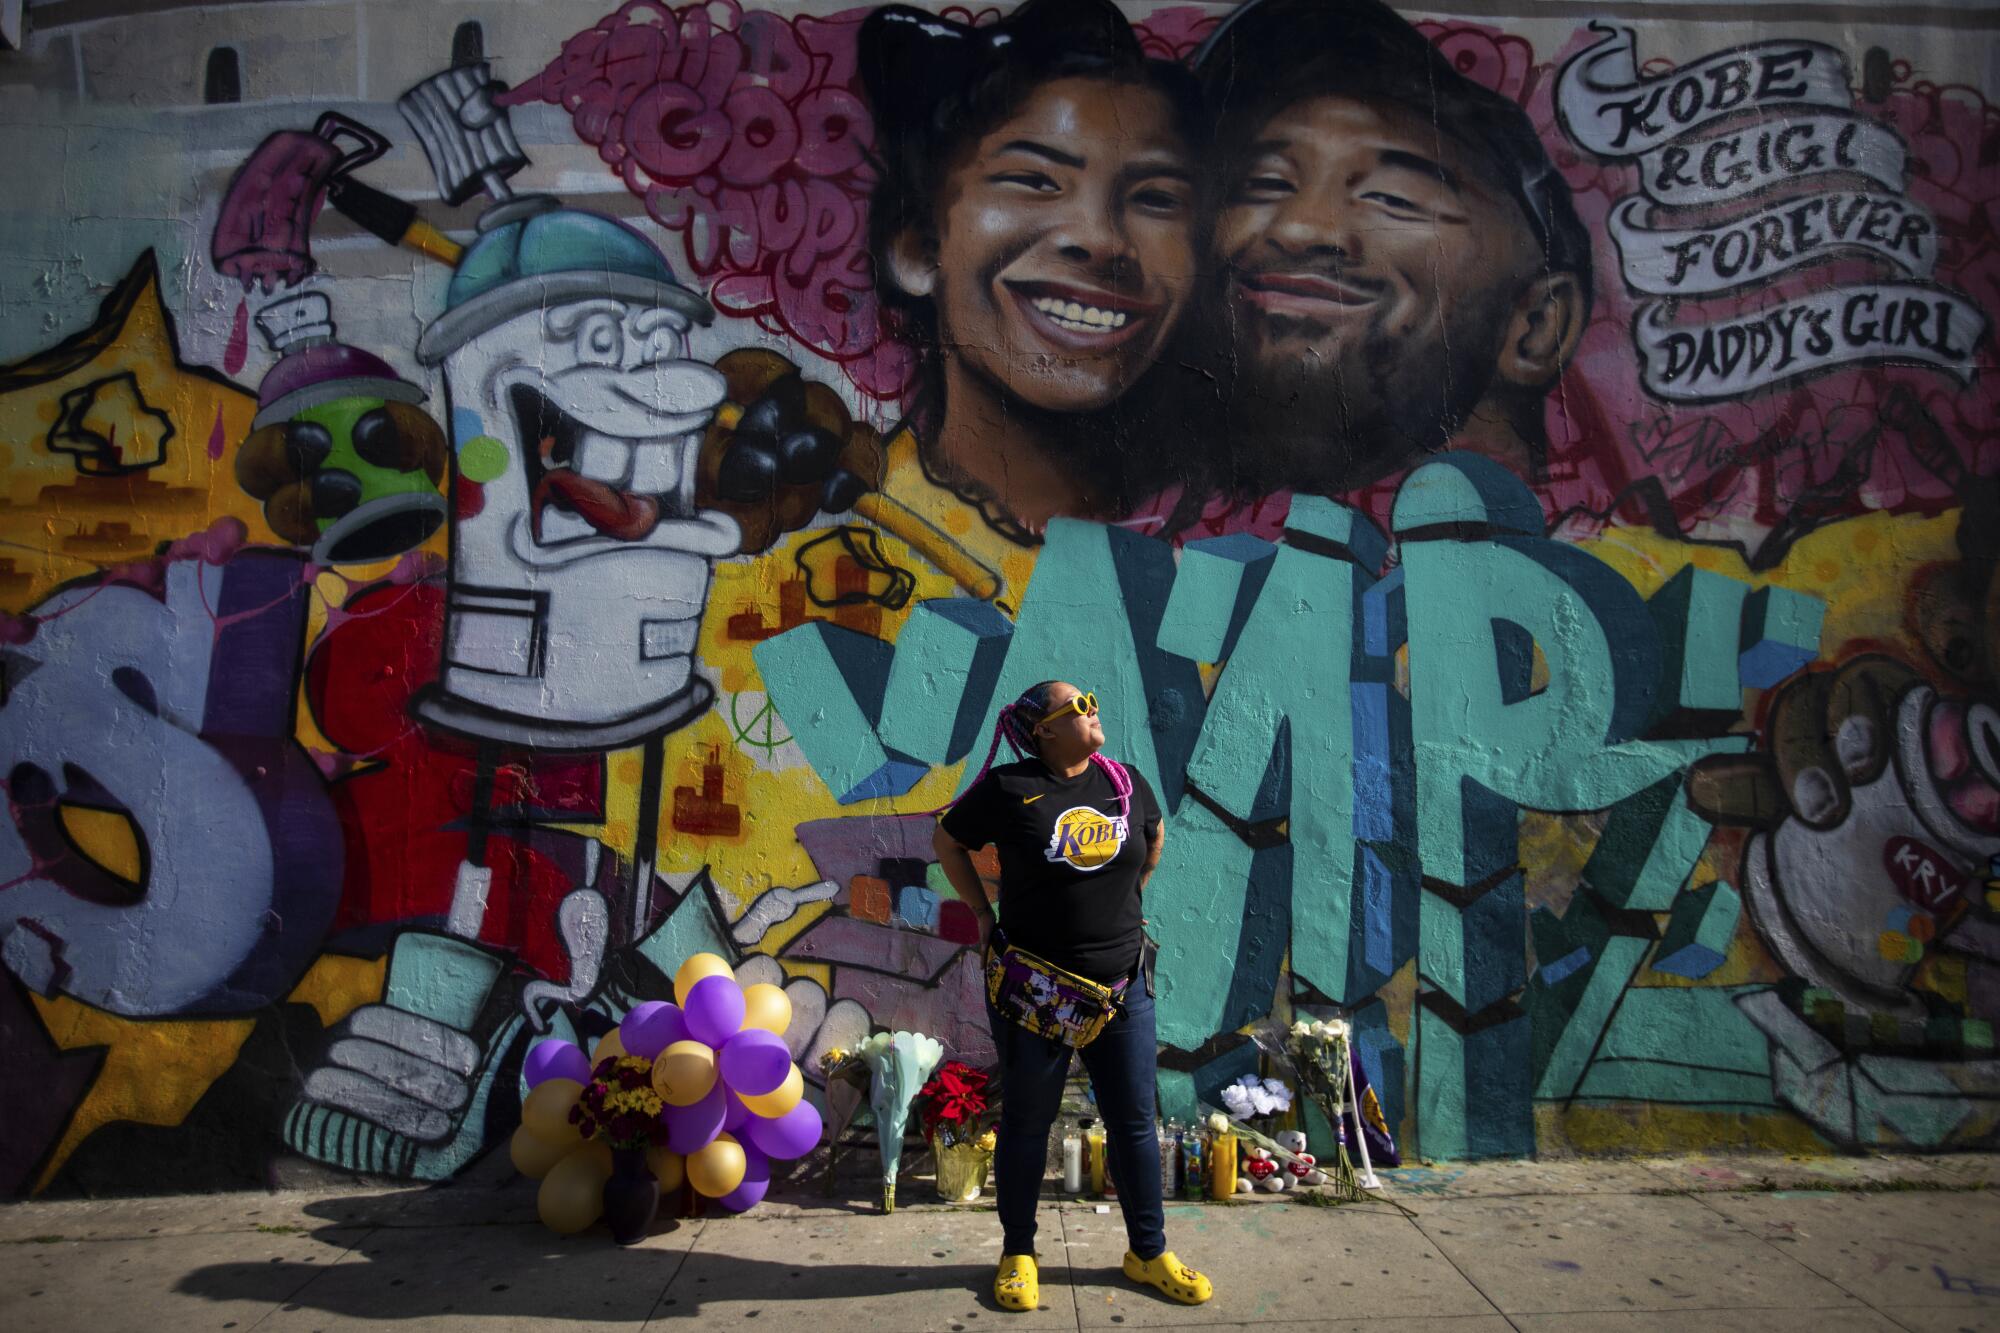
(912, 61)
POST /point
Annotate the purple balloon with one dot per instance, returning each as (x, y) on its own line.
(756, 1183)
(555, 1058)
(793, 1134)
(714, 1010)
(690, 1128)
(652, 1027)
(734, 1115)
(754, 1062)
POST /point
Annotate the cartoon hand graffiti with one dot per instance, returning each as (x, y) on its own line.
(1879, 796)
(1879, 811)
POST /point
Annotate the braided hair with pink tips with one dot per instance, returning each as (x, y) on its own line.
(1017, 724)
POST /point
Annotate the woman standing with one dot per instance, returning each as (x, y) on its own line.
(1078, 835)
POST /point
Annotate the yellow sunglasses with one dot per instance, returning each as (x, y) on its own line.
(1083, 705)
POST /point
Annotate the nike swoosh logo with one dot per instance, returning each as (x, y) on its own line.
(1030, 800)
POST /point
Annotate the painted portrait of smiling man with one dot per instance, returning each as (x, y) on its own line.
(1034, 235)
(1400, 267)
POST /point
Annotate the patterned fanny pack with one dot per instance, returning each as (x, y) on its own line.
(1047, 1000)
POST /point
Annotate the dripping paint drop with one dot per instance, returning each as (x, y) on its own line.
(238, 351)
(216, 439)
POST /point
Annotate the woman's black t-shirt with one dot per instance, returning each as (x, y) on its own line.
(1069, 865)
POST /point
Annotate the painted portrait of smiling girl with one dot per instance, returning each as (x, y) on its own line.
(1033, 234)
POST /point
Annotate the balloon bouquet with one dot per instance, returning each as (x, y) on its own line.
(703, 1091)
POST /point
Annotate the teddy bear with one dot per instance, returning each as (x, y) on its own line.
(1264, 1171)
(1304, 1167)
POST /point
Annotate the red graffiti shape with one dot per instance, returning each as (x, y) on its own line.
(404, 809)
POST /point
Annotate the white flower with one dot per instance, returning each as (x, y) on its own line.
(1238, 1099)
(1302, 1028)
(1218, 1123)
(1337, 1027)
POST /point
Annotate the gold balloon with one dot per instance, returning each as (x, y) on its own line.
(669, 1168)
(768, 1007)
(698, 967)
(545, 1113)
(783, 1098)
(609, 1047)
(572, 1194)
(684, 1072)
(717, 1168)
(533, 1156)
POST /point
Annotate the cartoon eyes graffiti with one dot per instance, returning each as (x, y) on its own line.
(600, 340)
(606, 329)
(354, 478)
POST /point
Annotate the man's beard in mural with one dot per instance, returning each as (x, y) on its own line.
(1321, 411)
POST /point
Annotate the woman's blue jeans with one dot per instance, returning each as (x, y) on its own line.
(1122, 1065)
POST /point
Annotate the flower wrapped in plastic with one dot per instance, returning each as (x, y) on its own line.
(898, 1065)
(1254, 1098)
(1320, 1053)
(953, 1106)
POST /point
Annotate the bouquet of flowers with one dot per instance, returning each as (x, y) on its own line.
(899, 1064)
(952, 1104)
(1253, 1098)
(620, 1105)
(1322, 1052)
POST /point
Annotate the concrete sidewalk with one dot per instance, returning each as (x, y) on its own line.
(1708, 1244)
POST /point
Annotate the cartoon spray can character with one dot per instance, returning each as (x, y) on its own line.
(579, 571)
(344, 460)
(580, 565)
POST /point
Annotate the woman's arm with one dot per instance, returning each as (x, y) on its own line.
(955, 859)
(1153, 846)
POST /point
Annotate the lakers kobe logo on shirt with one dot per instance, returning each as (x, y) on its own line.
(1088, 839)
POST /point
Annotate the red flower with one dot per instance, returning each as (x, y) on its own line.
(955, 1096)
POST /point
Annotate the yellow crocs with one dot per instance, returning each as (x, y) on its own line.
(1017, 1286)
(1171, 1276)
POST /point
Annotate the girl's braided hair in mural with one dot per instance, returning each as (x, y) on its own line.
(1016, 726)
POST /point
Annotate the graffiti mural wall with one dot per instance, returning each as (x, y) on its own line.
(495, 497)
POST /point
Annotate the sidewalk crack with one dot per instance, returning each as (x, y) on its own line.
(701, 1229)
(1441, 1252)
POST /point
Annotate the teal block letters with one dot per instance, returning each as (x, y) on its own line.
(1092, 616)
(1780, 634)
(1217, 585)
(827, 685)
(947, 661)
(1698, 935)
(1697, 616)
(1473, 1098)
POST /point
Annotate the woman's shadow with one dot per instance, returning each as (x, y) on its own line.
(514, 1269)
